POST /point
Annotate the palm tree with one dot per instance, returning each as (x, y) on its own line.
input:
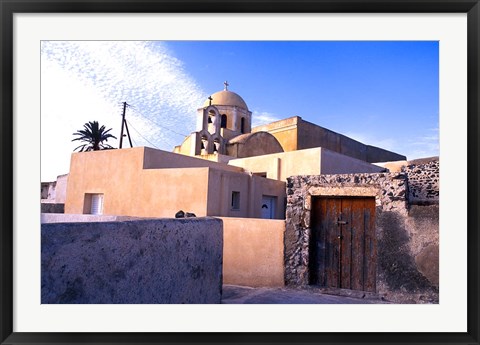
(94, 137)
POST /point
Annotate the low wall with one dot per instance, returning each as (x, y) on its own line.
(81, 218)
(51, 207)
(132, 262)
(253, 252)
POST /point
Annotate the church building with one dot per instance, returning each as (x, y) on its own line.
(336, 215)
(224, 168)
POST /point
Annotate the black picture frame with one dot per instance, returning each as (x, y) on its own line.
(9, 7)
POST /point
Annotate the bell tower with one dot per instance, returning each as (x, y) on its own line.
(223, 116)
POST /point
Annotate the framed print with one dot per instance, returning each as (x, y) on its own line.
(63, 60)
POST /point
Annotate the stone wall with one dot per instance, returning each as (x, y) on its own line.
(423, 182)
(48, 206)
(132, 262)
(407, 248)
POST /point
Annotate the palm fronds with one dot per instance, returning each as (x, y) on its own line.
(93, 136)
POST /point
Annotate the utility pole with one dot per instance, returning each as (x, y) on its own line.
(124, 124)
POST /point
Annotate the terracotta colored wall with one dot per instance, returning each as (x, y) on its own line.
(130, 190)
(253, 252)
(221, 184)
(110, 171)
(163, 192)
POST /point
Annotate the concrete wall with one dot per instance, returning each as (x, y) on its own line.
(133, 262)
(253, 252)
(407, 235)
(313, 161)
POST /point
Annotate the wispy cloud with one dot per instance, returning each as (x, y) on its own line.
(262, 118)
(88, 80)
(411, 147)
(369, 139)
(424, 146)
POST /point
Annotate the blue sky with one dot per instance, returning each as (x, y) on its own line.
(380, 93)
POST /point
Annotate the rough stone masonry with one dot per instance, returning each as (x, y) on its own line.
(133, 262)
(406, 222)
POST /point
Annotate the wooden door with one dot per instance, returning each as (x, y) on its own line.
(343, 243)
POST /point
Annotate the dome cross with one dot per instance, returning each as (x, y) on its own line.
(226, 85)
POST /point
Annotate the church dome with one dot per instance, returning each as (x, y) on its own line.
(226, 97)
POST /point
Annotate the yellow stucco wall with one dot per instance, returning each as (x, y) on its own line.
(145, 182)
(313, 161)
(285, 131)
(253, 252)
(185, 148)
(279, 166)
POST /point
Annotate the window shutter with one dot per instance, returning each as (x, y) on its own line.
(97, 204)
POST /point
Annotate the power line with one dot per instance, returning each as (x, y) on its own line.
(155, 123)
(142, 135)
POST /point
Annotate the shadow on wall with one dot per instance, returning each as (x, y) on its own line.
(397, 265)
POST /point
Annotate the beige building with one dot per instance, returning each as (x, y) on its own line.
(145, 182)
(228, 169)
(225, 168)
